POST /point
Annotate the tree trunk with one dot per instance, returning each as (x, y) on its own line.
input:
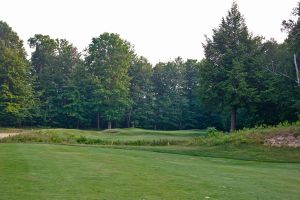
(109, 125)
(19, 124)
(233, 120)
(98, 120)
(128, 121)
(297, 70)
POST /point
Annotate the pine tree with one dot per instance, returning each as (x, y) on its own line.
(231, 76)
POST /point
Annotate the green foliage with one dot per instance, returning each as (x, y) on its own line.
(213, 132)
(292, 27)
(16, 94)
(54, 64)
(231, 74)
(140, 114)
(111, 86)
(108, 60)
(252, 136)
(170, 98)
(82, 140)
(279, 100)
(195, 114)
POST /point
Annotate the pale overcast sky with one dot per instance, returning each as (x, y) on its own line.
(160, 30)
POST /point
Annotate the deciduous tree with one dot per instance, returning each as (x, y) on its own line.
(108, 60)
(16, 95)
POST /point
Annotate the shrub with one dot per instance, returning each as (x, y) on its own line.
(82, 140)
(213, 132)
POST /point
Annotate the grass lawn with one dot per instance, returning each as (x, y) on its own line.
(47, 171)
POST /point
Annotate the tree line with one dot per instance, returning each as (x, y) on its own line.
(243, 81)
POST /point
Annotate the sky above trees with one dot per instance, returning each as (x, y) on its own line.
(159, 30)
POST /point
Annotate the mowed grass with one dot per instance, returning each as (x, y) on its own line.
(146, 164)
(46, 171)
(241, 152)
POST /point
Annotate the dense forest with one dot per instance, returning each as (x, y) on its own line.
(244, 80)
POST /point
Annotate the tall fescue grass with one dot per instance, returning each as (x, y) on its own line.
(256, 135)
(213, 137)
(57, 138)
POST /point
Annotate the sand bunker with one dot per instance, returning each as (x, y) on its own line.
(4, 135)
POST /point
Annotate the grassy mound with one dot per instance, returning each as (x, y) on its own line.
(246, 144)
(142, 137)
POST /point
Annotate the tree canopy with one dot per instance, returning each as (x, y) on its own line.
(16, 94)
(108, 60)
(244, 80)
(231, 76)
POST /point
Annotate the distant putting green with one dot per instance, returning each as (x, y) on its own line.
(45, 171)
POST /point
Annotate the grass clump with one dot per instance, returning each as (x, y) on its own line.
(38, 137)
(253, 136)
(61, 137)
(159, 142)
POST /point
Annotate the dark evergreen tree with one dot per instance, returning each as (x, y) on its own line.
(231, 77)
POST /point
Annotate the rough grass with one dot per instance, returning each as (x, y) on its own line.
(141, 137)
(253, 136)
(137, 137)
(247, 144)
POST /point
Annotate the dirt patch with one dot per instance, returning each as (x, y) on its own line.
(283, 140)
(4, 135)
(111, 131)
